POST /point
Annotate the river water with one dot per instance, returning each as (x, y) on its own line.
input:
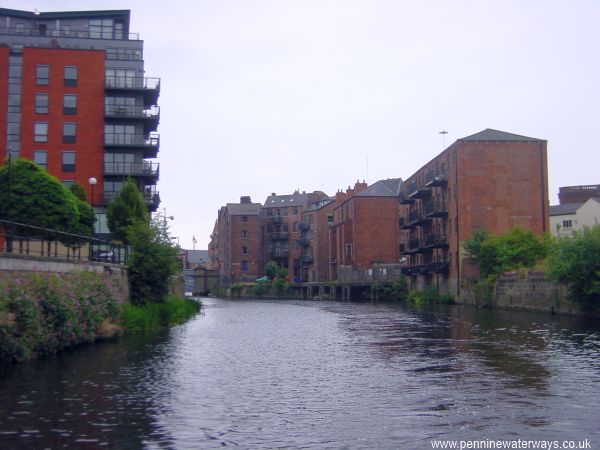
(313, 375)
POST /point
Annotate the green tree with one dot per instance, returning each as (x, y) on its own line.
(78, 191)
(36, 198)
(152, 264)
(512, 250)
(271, 268)
(575, 261)
(126, 211)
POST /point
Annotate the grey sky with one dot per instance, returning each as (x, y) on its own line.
(275, 95)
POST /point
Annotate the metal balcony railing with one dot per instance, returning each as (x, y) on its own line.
(144, 168)
(72, 32)
(131, 112)
(435, 180)
(279, 253)
(433, 240)
(435, 209)
(280, 235)
(306, 259)
(131, 140)
(303, 226)
(135, 83)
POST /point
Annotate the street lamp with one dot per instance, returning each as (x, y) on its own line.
(92, 181)
(9, 239)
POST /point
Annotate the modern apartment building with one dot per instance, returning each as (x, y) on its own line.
(365, 230)
(281, 229)
(236, 246)
(492, 180)
(74, 98)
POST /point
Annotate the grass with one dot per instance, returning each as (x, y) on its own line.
(154, 316)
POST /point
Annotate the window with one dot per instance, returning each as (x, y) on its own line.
(119, 134)
(41, 103)
(131, 54)
(40, 132)
(329, 219)
(119, 163)
(68, 161)
(101, 28)
(69, 132)
(40, 157)
(42, 75)
(14, 103)
(70, 76)
(69, 104)
(244, 266)
(244, 250)
(244, 234)
(245, 219)
(68, 183)
(349, 250)
(567, 223)
(20, 28)
(119, 106)
(13, 131)
(120, 78)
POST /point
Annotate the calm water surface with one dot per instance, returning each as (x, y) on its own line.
(312, 375)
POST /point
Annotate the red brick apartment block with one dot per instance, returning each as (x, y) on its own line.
(577, 194)
(365, 225)
(316, 241)
(238, 241)
(282, 215)
(74, 99)
(491, 181)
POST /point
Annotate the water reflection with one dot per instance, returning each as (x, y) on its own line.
(314, 375)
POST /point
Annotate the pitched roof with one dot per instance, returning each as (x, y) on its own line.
(382, 188)
(566, 208)
(295, 199)
(495, 135)
(320, 204)
(244, 209)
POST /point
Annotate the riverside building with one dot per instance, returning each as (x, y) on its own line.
(74, 98)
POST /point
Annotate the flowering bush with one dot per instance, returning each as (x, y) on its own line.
(41, 314)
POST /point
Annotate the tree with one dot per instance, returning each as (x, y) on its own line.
(78, 191)
(511, 250)
(152, 264)
(126, 211)
(36, 198)
(575, 261)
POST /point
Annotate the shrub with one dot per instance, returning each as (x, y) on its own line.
(575, 261)
(42, 314)
(429, 296)
(152, 317)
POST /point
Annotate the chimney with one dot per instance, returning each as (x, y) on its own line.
(273, 194)
(340, 197)
(359, 187)
(246, 199)
(349, 192)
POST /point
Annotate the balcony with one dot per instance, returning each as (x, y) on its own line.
(150, 87)
(435, 209)
(279, 253)
(72, 32)
(404, 199)
(420, 193)
(402, 249)
(433, 180)
(142, 169)
(304, 241)
(150, 116)
(303, 226)
(150, 194)
(416, 218)
(413, 246)
(275, 219)
(280, 236)
(403, 223)
(149, 144)
(438, 267)
(433, 240)
(306, 259)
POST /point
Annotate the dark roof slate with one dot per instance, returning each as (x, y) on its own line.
(244, 209)
(495, 135)
(382, 188)
(566, 208)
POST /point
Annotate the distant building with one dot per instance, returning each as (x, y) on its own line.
(491, 181)
(577, 194)
(75, 99)
(282, 215)
(238, 241)
(365, 226)
(567, 218)
(316, 241)
(192, 259)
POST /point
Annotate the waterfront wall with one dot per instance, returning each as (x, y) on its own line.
(525, 291)
(115, 275)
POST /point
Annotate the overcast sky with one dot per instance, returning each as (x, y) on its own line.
(276, 95)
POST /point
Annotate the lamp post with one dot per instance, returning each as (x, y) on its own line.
(92, 181)
(9, 238)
